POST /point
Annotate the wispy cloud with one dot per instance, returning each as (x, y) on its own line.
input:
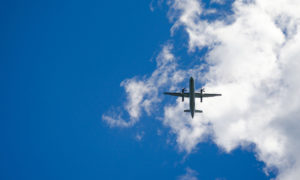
(143, 94)
(218, 1)
(139, 136)
(189, 175)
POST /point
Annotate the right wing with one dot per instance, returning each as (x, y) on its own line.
(198, 95)
(177, 94)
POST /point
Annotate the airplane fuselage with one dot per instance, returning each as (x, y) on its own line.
(192, 96)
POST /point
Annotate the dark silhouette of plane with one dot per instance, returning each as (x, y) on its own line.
(192, 95)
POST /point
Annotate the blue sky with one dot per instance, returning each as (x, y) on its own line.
(61, 68)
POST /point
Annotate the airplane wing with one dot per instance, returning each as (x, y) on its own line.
(177, 94)
(198, 95)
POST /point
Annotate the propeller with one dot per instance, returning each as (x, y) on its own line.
(182, 92)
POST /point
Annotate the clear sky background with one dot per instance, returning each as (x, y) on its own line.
(61, 65)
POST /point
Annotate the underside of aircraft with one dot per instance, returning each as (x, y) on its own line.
(192, 95)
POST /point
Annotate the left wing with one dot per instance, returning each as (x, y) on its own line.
(177, 94)
(198, 95)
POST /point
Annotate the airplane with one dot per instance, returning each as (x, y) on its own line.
(192, 95)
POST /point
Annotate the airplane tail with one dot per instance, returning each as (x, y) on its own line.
(196, 111)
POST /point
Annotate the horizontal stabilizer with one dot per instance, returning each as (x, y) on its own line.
(198, 111)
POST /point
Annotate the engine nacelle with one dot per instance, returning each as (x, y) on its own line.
(201, 94)
(182, 94)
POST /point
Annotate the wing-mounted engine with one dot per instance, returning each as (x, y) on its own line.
(182, 94)
(201, 94)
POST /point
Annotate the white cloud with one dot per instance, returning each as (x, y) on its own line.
(189, 175)
(189, 130)
(253, 61)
